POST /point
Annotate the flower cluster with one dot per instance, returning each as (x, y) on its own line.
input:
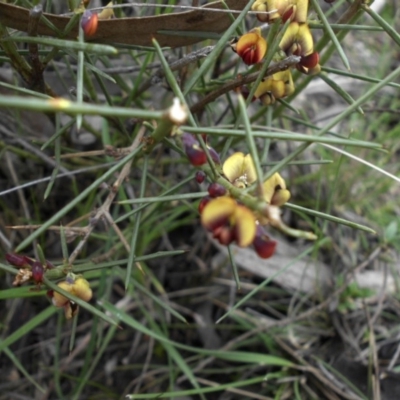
(30, 270)
(228, 219)
(75, 285)
(297, 40)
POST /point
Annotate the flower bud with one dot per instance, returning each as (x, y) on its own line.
(89, 22)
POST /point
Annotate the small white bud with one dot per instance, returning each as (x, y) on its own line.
(177, 113)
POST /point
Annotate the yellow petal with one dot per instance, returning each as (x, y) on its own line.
(232, 167)
(265, 86)
(280, 197)
(107, 12)
(278, 89)
(218, 212)
(58, 299)
(249, 170)
(305, 40)
(272, 185)
(68, 312)
(301, 11)
(274, 87)
(286, 78)
(81, 289)
(289, 37)
(245, 226)
(240, 170)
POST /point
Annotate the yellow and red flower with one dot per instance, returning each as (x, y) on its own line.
(270, 10)
(251, 47)
(75, 285)
(229, 221)
(298, 41)
(276, 86)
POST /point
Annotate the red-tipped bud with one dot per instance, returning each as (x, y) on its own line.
(37, 272)
(89, 22)
(216, 190)
(195, 153)
(200, 176)
(18, 260)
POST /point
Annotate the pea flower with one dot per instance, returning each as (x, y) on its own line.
(295, 10)
(229, 221)
(75, 285)
(251, 47)
(274, 190)
(298, 41)
(239, 169)
(274, 87)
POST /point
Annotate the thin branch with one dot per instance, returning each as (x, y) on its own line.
(242, 80)
(104, 209)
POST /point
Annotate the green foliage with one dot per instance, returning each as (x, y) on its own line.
(122, 207)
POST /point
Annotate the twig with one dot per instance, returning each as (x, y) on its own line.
(37, 81)
(32, 149)
(242, 80)
(289, 320)
(376, 388)
(174, 66)
(21, 195)
(104, 209)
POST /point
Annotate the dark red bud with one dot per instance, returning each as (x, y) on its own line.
(196, 157)
(310, 61)
(37, 272)
(263, 245)
(200, 176)
(216, 190)
(50, 293)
